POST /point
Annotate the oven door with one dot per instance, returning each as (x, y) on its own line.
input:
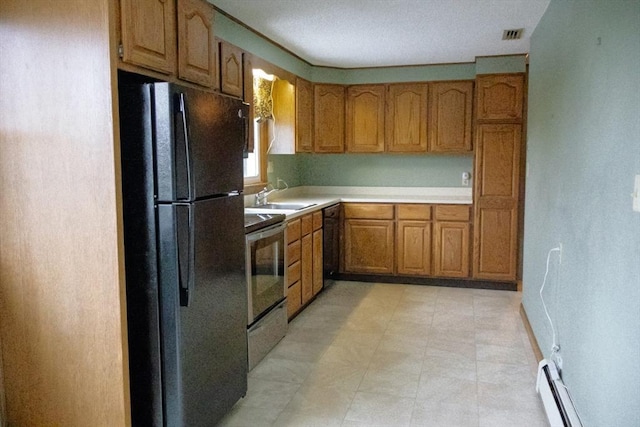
(265, 270)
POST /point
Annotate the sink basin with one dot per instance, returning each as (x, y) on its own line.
(284, 206)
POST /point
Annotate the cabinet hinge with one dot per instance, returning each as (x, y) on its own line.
(120, 50)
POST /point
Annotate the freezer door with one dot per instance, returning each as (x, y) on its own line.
(199, 140)
(204, 342)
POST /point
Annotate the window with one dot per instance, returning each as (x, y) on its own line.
(252, 161)
(255, 170)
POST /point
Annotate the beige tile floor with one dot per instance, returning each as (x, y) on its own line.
(368, 354)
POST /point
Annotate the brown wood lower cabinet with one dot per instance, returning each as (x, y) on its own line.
(414, 247)
(368, 238)
(292, 259)
(451, 241)
(368, 246)
(413, 239)
(304, 261)
(451, 249)
(403, 239)
(307, 267)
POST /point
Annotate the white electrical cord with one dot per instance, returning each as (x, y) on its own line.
(554, 348)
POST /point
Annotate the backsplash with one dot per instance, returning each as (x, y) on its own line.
(377, 170)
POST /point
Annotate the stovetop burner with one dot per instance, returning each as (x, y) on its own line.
(254, 222)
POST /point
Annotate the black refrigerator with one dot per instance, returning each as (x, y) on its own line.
(182, 181)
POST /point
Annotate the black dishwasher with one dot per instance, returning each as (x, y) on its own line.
(331, 237)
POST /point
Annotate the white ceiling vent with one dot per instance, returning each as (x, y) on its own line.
(512, 34)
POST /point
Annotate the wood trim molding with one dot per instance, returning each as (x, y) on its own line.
(532, 337)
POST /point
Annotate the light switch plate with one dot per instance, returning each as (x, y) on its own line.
(636, 194)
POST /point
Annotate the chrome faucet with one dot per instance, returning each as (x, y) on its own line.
(261, 196)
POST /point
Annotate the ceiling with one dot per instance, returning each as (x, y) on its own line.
(374, 33)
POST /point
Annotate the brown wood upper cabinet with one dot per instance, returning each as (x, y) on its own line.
(365, 119)
(406, 118)
(231, 73)
(500, 97)
(148, 34)
(450, 108)
(328, 117)
(197, 50)
(304, 116)
(172, 37)
(283, 95)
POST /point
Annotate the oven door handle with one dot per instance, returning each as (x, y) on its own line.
(262, 234)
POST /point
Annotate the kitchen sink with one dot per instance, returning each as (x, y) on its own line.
(284, 206)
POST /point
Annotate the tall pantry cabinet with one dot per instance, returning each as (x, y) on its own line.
(500, 100)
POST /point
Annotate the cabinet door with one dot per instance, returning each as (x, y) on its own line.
(450, 105)
(247, 68)
(304, 116)
(365, 119)
(197, 50)
(497, 167)
(148, 34)
(413, 242)
(317, 261)
(368, 246)
(328, 118)
(500, 97)
(306, 279)
(294, 299)
(451, 258)
(406, 118)
(231, 74)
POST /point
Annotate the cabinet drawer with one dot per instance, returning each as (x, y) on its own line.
(293, 273)
(417, 212)
(293, 231)
(306, 224)
(294, 299)
(368, 211)
(293, 252)
(317, 220)
(452, 212)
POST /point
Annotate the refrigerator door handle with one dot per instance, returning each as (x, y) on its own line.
(186, 255)
(245, 128)
(187, 148)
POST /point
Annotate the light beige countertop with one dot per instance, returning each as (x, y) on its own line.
(322, 197)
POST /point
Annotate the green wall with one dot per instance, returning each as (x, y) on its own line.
(583, 152)
(384, 170)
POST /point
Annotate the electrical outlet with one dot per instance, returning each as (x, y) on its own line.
(559, 362)
(466, 176)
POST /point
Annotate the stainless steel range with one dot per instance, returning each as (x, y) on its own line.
(267, 304)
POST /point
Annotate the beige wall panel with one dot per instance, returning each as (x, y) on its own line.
(61, 275)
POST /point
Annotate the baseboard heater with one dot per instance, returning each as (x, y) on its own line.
(555, 398)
